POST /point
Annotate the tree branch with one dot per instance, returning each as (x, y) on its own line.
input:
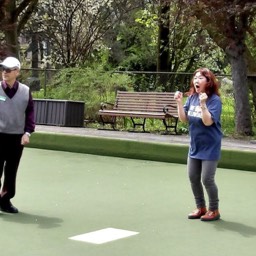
(25, 15)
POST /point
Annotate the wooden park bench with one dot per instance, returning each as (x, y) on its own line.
(139, 106)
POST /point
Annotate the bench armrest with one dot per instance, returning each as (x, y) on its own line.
(166, 108)
(105, 105)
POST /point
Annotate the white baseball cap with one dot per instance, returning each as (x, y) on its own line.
(10, 62)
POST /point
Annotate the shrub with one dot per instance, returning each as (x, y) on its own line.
(92, 85)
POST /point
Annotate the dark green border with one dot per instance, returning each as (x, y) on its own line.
(231, 159)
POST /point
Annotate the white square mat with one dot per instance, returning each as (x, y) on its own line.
(103, 235)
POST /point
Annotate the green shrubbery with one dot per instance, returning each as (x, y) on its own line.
(92, 85)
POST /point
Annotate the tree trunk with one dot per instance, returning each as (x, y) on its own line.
(35, 51)
(229, 32)
(241, 93)
(163, 44)
(49, 74)
(11, 39)
(10, 30)
(13, 17)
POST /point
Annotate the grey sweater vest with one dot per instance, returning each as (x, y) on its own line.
(12, 111)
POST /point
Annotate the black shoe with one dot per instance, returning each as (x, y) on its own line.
(8, 207)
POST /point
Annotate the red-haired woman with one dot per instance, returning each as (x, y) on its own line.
(202, 111)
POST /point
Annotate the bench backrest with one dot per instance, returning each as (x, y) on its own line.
(144, 101)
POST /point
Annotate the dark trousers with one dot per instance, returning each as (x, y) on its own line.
(202, 172)
(10, 154)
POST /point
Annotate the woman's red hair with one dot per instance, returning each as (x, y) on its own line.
(212, 86)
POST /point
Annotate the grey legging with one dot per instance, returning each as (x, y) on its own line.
(202, 172)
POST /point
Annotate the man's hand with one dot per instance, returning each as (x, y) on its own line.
(25, 139)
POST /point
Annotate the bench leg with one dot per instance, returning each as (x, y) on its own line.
(112, 122)
(135, 124)
(172, 126)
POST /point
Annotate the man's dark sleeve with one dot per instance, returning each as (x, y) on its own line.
(30, 116)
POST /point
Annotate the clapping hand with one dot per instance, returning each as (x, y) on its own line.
(203, 97)
(178, 96)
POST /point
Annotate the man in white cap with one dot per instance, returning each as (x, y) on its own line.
(16, 125)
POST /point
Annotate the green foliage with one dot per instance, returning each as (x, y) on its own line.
(250, 39)
(92, 85)
(135, 47)
(228, 115)
(138, 41)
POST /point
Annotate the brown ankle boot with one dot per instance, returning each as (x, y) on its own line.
(211, 215)
(197, 213)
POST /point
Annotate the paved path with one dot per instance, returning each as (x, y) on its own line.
(227, 143)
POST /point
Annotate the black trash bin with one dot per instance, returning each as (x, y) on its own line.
(59, 112)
